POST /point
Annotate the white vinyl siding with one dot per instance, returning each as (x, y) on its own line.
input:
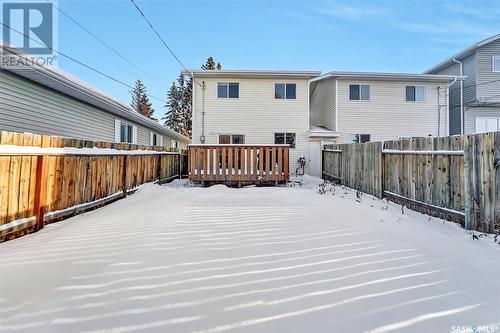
(256, 114)
(387, 116)
(322, 111)
(26, 106)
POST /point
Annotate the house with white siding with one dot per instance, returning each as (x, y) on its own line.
(308, 110)
(361, 107)
(474, 102)
(49, 101)
(252, 107)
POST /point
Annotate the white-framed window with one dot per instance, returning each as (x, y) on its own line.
(285, 138)
(236, 139)
(228, 90)
(359, 138)
(155, 139)
(495, 63)
(285, 90)
(415, 93)
(359, 92)
(125, 132)
(487, 124)
(174, 144)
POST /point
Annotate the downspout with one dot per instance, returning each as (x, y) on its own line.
(439, 111)
(202, 136)
(462, 113)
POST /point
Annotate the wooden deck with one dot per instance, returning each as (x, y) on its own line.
(238, 164)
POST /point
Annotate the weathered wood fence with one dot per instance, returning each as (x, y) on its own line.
(455, 177)
(47, 178)
(238, 164)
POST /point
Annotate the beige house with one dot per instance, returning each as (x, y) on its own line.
(307, 110)
(253, 107)
(360, 107)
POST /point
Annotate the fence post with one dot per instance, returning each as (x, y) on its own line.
(470, 215)
(158, 172)
(382, 170)
(124, 176)
(39, 200)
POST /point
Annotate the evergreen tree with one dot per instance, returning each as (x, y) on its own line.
(187, 106)
(140, 100)
(210, 65)
(180, 101)
(137, 93)
(173, 117)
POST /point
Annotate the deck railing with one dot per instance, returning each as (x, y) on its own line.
(238, 164)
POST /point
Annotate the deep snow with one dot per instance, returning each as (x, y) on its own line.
(178, 258)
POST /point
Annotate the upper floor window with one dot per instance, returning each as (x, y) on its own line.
(359, 92)
(415, 93)
(285, 90)
(236, 139)
(496, 63)
(228, 90)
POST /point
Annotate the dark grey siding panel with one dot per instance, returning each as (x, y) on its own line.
(470, 92)
(487, 89)
(26, 106)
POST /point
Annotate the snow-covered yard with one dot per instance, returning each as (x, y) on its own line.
(182, 259)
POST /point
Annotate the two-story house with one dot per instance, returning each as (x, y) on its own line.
(306, 110)
(361, 107)
(474, 102)
(253, 107)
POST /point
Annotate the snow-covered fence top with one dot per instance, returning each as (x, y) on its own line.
(455, 177)
(41, 174)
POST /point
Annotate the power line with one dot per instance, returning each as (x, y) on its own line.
(79, 62)
(103, 42)
(163, 41)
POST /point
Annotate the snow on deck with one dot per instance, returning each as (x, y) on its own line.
(184, 259)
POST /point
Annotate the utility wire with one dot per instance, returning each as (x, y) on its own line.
(102, 42)
(163, 41)
(79, 62)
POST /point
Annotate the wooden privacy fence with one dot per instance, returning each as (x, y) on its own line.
(238, 164)
(455, 177)
(46, 178)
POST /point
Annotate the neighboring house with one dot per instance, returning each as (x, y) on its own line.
(253, 107)
(349, 107)
(475, 102)
(48, 101)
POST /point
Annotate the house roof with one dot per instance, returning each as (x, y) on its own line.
(462, 54)
(271, 74)
(74, 87)
(387, 76)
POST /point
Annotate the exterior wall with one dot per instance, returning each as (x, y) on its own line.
(387, 115)
(487, 89)
(472, 113)
(469, 70)
(322, 111)
(255, 114)
(26, 106)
